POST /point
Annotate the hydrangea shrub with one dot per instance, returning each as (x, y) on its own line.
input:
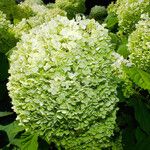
(62, 84)
(139, 44)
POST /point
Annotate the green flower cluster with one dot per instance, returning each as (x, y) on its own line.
(7, 39)
(25, 25)
(37, 6)
(129, 12)
(98, 12)
(139, 44)
(32, 2)
(62, 84)
(112, 8)
(72, 7)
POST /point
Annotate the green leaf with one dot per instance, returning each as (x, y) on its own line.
(144, 144)
(27, 141)
(142, 115)
(141, 78)
(12, 130)
(123, 50)
(140, 135)
(128, 138)
(111, 20)
(114, 40)
(3, 114)
(126, 120)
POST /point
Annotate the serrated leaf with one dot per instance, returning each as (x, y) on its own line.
(3, 114)
(11, 129)
(140, 77)
(142, 115)
(27, 141)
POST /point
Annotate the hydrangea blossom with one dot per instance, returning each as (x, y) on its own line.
(62, 84)
(37, 6)
(72, 7)
(98, 12)
(27, 24)
(112, 8)
(139, 44)
(33, 2)
(129, 12)
(7, 39)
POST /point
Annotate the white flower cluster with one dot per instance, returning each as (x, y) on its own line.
(62, 85)
(139, 44)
